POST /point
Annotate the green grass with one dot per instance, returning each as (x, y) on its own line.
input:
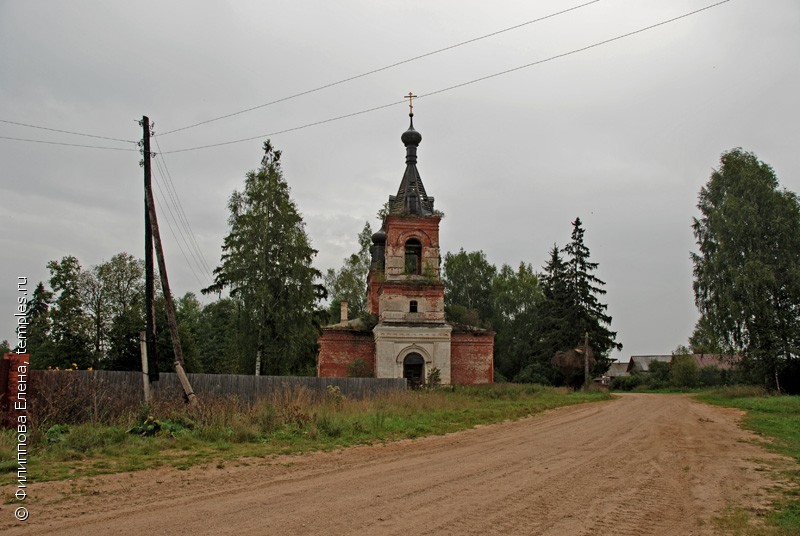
(223, 430)
(777, 419)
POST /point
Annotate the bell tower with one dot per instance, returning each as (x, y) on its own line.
(405, 289)
(406, 294)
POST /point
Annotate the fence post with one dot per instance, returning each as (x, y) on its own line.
(145, 374)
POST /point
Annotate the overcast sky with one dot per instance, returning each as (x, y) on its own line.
(622, 135)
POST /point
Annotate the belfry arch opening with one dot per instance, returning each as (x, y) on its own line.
(413, 252)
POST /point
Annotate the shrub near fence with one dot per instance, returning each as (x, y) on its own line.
(68, 397)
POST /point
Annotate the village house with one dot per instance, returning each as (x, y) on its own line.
(405, 293)
(641, 363)
(615, 370)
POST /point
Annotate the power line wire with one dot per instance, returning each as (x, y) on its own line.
(571, 52)
(186, 232)
(176, 220)
(438, 91)
(67, 144)
(184, 221)
(380, 69)
(183, 253)
(65, 131)
(286, 130)
(172, 231)
(182, 212)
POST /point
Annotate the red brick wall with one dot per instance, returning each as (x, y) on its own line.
(12, 397)
(471, 357)
(400, 228)
(340, 347)
(373, 290)
(396, 295)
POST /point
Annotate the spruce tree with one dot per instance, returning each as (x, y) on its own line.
(39, 344)
(586, 313)
(551, 328)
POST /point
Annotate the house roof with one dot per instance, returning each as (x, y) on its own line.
(641, 363)
(721, 361)
(615, 370)
(352, 324)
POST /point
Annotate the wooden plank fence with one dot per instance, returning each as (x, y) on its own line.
(128, 384)
(253, 388)
(80, 395)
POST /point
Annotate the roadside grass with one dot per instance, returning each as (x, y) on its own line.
(777, 419)
(221, 430)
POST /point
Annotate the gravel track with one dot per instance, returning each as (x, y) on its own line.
(641, 464)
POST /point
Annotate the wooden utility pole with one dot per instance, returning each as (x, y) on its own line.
(586, 362)
(169, 305)
(145, 376)
(149, 277)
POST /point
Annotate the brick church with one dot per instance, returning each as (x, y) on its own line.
(406, 294)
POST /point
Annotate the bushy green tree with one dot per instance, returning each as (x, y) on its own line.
(187, 309)
(684, 371)
(349, 283)
(516, 297)
(218, 337)
(713, 376)
(117, 290)
(266, 266)
(506, 301)
(659, 374)
(468, 280)
(70, 329)
(747, 270)
(703, 339)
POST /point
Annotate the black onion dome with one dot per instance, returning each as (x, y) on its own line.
(379, 237)
(411, 197)
(411, 136)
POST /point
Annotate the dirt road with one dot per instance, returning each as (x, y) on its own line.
(643, 464)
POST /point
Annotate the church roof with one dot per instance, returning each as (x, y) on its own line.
(411, 197)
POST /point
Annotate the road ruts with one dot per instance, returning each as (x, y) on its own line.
(641, 464)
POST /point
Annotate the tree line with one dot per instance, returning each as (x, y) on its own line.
(746, 283)
(268, 323)
(534, 315)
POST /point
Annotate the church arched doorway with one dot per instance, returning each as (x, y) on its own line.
(413, 369)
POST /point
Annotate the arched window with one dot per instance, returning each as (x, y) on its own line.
(413, 256)
(412, 306)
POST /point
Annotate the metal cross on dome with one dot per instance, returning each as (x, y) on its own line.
(410, 98)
